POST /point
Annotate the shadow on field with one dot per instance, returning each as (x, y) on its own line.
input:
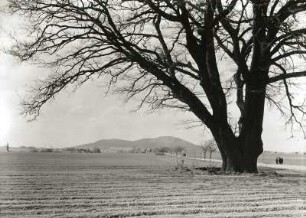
(263, 172)
(212, 170)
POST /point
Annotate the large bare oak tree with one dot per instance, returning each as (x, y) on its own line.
(172, 53)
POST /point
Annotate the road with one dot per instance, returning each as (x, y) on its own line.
(275, 166)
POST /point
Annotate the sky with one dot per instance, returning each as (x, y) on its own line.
(87, 115)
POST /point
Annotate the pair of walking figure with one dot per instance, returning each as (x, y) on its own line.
(279, 160)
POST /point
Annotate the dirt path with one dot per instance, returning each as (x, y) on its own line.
(274, 166)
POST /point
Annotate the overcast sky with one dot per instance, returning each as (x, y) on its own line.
(87, 115)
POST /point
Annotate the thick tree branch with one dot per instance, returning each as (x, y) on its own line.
(287, 76)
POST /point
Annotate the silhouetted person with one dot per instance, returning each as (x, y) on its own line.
(281, 160)
(7, 147)
(277, 160)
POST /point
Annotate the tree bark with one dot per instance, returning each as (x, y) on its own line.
(250, 136)
(240, 154)
(229, 149)
(235, 159)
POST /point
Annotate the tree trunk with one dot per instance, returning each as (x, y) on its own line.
(236, 160)
(229, 149)
(250, 136)
(239, 154)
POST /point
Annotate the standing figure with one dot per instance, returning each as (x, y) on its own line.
(281, 160)
(7, 147)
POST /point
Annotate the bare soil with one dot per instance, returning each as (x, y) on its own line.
(131, 185)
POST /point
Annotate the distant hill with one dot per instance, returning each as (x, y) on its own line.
(164, 141)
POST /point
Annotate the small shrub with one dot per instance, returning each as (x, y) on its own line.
(72, 150)
(178, 150)
(46, 150)
(96, 150)
(33, 149)
(180, 164)
(134, 150)
(162, 150)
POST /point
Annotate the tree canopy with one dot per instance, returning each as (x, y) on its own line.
(191, 55)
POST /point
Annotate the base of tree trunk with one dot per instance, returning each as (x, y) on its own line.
(247, 165)
(219, 171)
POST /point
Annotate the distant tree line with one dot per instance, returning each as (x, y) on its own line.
(177, 150)
(84, 150)
(71, 150)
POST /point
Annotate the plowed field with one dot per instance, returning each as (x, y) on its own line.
(128, 185)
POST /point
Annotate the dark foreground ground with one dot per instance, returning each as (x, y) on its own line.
(129, 185)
